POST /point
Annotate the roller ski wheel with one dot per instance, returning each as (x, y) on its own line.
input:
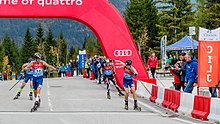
(137, 108)
(108, 96)
(36, 106)
(31, 96)
(17, 96)
(126, 107)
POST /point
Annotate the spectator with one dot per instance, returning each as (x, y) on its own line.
(72, 67)
(171, 59)
(152, 63)
(213, 91)
(45, 73)
(176, 73)
(5, 75)
(76, 64)
(97, 67)
(63, 70)
(167, 66)
(175, 60)
(68, 68)
(51, 72)
(182, 70)
(87, 64)
(191, 73)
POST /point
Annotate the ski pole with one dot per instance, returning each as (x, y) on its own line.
(160, 81)
(144, 86)
(15, 84)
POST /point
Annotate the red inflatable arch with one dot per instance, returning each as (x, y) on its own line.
(99, 15)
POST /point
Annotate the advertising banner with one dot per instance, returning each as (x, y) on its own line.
(82, 59)
(163, 51)
(208, 59)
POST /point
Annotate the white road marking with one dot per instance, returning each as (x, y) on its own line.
(48, 93)
(185, 121)
(161, 113)
(80, 113)
(104, 99)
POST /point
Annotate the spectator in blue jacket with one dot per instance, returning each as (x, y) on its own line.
(191, 73)
(63, 70)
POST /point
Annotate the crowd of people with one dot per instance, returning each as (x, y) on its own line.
(65, 70)
(185, 72)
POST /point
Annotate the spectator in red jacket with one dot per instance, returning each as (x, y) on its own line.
(152, 63)
(176, 73)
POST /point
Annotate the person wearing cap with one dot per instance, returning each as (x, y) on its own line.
(38, 68)
(129, 73)
(107, 72)
(28, 76)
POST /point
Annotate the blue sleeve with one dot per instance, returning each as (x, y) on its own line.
(195, 66)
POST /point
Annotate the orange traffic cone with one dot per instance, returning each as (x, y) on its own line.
(84, 74)
(92, 76)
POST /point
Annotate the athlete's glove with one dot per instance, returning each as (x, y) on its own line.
(20, 76)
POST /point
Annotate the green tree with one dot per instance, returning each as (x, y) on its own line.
(98, 48)
(8, 48)
(61, 49)
(72, 51)
(141, 17)
(176, 17)
(12, 51)
(50, 43)
(27, 50)
(2, 55)
(16, 61)
(212, 9)
(90, 46)
(40, 42)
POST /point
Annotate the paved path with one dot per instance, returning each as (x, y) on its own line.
(80, 101)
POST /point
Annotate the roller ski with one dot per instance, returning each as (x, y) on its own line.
(31, 96)
(36, 106)
(108, 95)
(17, 96)
(137, 108)
(126, 107)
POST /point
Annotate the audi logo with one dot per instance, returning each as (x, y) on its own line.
(121, 53)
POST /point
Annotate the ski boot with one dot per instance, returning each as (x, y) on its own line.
(36, 106)
(108, 95)
(16, 97)
(137, 108)
(126, 107)
(31, 96)
(120, 94)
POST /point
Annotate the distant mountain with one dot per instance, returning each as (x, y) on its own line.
(73, 31)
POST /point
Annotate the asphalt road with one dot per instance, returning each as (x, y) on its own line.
(80, 101)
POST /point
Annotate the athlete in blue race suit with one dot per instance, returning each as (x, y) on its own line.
(28, 76)
(38, 68)
(129, 73)
(108, 71)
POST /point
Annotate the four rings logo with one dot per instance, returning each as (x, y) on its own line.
(121, 53)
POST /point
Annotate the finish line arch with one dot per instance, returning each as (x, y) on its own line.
(99, 15)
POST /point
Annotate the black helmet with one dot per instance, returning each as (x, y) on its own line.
(37, 55)
(128, 62)
(30, 60)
